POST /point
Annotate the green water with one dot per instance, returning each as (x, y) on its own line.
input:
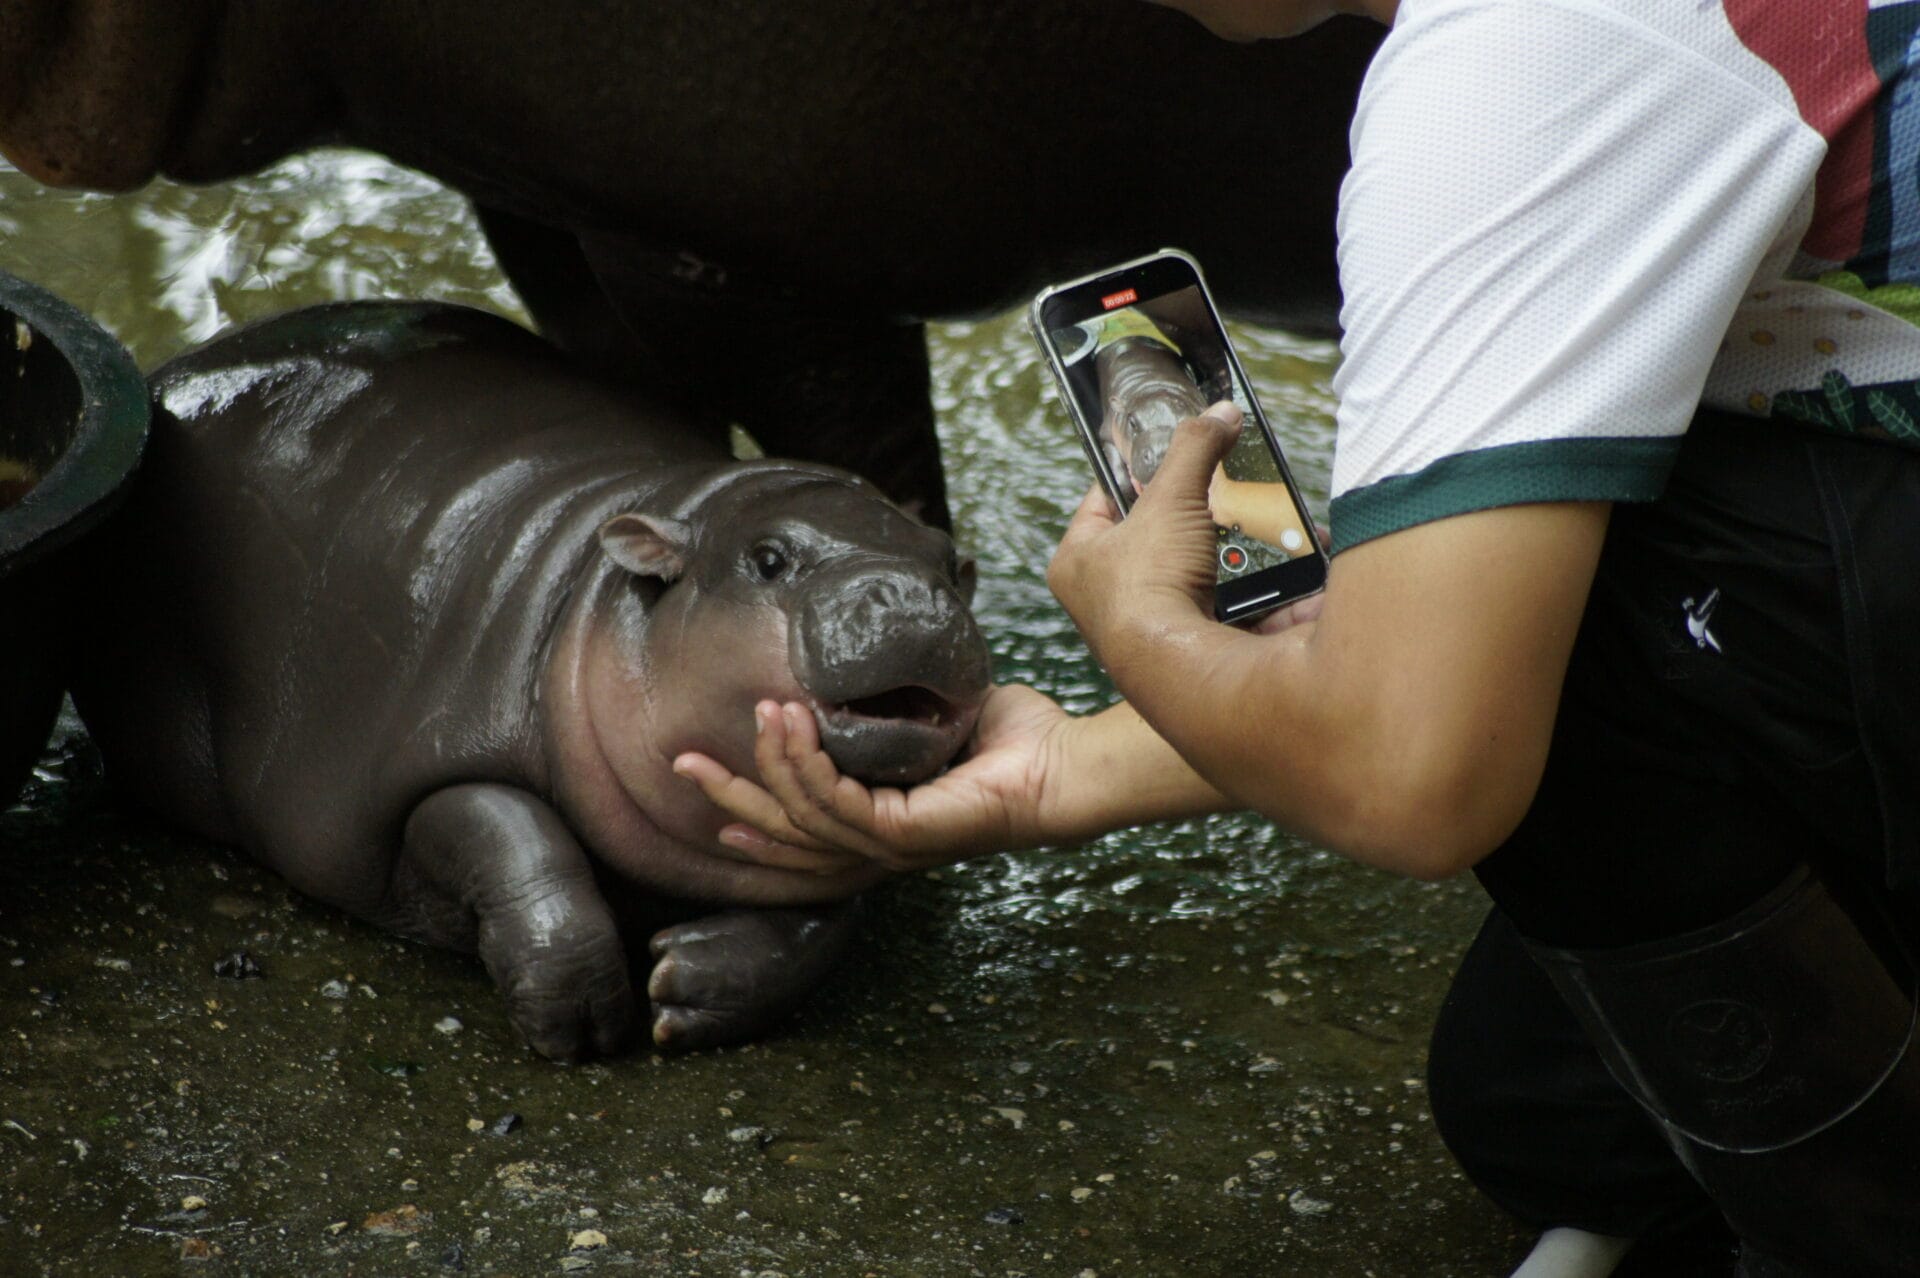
(1193, 1049)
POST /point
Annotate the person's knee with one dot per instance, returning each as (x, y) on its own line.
(1526, 1106)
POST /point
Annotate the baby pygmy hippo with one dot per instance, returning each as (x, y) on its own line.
(420, 616)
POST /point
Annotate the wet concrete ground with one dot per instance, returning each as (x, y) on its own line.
(1193, 1049)
(1118, 1091)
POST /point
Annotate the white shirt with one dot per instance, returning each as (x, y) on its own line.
(1569, 223)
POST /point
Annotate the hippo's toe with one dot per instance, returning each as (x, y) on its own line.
(733, 976)
(581, 1014)
(571, 1029)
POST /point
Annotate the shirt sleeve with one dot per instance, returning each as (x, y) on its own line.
(1551, 216)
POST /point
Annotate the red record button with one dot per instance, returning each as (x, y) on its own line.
(1233, 558)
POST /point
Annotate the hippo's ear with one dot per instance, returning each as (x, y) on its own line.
(647, 546)
(968, 576)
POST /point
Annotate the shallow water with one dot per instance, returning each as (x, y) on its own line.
(1191, 1049)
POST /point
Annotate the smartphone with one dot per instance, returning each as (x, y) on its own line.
(1137, 349)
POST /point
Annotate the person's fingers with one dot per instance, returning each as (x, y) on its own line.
(1293, 614)
(1095, 511)
(1089, 521)
(846, 812)
(1199, 444)
(1094, 516)
(777, 771)
(808, 787)
(803, 815)
(742, 799)
(811, 765)
(748, 844)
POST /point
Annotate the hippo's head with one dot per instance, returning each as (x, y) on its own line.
(1148, 391)
(792, 582)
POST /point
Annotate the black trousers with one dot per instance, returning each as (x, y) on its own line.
(1744, 696)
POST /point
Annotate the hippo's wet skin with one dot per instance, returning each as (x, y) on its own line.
(1148, 383)
(1146, 391)
(420, 617)
(752, 206)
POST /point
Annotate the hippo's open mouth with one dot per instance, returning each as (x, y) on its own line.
(897, 737)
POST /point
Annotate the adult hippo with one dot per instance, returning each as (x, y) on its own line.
(419, 615)
(750, 206)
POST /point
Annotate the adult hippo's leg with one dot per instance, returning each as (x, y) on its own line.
(550, 273)
(492, 868)
(732, 976)
(860, 397)
(810, 381)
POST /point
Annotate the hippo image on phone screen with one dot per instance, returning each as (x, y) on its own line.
(419, 616)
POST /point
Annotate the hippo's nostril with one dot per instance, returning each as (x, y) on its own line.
(887, 595)
(903, 703)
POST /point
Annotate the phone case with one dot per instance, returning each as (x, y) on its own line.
(1236, 598)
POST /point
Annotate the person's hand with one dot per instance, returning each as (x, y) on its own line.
(1299, 611)
(1157, 565)
(995, 799)
(1287, 616)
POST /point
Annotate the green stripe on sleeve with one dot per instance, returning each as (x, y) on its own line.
(1608, 469)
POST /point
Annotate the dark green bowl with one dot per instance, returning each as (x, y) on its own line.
(73, 422)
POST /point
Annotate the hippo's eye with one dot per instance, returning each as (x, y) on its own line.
(769, 561)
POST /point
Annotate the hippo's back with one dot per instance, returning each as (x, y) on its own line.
(356, 528)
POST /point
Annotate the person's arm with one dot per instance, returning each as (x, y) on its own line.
(1408, 724)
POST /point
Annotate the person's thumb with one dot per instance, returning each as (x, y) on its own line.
(1199, 444)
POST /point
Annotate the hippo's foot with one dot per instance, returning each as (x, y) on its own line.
(570, 1000)
(730, 977)
(493, 868)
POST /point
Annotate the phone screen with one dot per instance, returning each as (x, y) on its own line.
(1140, 349)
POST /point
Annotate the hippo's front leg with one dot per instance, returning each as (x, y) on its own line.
(493, 868)
(729, 977)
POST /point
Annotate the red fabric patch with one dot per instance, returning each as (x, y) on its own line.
(1820, 49)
